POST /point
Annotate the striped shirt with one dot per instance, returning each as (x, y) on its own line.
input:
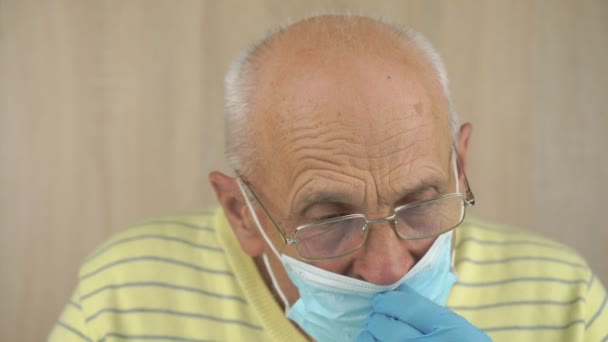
(185, 278)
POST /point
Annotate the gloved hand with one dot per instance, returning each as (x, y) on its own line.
(405, 315)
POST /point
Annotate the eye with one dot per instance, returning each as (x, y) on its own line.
(326, 211)
(420, 196)
(328, 217)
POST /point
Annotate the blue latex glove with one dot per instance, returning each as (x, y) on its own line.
(405, 315)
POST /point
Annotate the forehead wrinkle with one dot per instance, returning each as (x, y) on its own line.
(385, 138)
(306, 193)
(321, 162)
(427, 173)
(309, 127)
(360, 159)
(430, 171)
(418, 163)
(298, 125)
(330, 130)
(319, 142)
(315, 166)
(356, 147)
(368, 133)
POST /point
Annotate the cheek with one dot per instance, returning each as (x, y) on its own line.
(341, 265)
(418, 248)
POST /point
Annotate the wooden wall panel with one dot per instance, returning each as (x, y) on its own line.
(111, 111)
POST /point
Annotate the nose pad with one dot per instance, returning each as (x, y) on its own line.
(393, 223)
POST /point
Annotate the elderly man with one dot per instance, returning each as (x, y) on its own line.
(340, 222)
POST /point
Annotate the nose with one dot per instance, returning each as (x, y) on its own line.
(385, 258)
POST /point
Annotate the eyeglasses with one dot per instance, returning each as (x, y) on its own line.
(336, 237)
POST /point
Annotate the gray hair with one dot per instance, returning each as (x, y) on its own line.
(238, 87)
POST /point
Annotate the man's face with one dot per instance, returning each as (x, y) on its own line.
(338, 133)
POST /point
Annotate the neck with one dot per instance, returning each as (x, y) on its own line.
(259, 263)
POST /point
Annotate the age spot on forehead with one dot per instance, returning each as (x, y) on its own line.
(419, 107)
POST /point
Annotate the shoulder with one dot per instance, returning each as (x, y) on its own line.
(172, 239)
(166, 278)
(162, 270)
(483, 243)
(504, 270)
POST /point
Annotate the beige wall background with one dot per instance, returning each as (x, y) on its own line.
(111, 111)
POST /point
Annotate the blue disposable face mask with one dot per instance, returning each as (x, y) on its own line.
(334, 307)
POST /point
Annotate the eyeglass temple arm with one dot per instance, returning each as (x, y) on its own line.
(257, 199)
(469, 193)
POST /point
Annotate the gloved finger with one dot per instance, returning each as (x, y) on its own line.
(464, 332)
(386, 328)
(408, 306)
(365, 336)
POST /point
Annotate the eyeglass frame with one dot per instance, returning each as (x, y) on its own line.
(468, 200)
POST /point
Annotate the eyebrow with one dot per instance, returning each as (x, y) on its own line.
(321, 197)
(338, 198)
(431, 183)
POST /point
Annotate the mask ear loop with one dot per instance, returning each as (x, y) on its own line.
(457, 179)
(273, 278)
(455, 167)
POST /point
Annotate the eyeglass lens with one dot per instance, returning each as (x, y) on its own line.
(338, 237)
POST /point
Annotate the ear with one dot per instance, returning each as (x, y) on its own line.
(237, 213)
(462, 147)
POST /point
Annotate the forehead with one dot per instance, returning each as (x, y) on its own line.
(324, 113)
